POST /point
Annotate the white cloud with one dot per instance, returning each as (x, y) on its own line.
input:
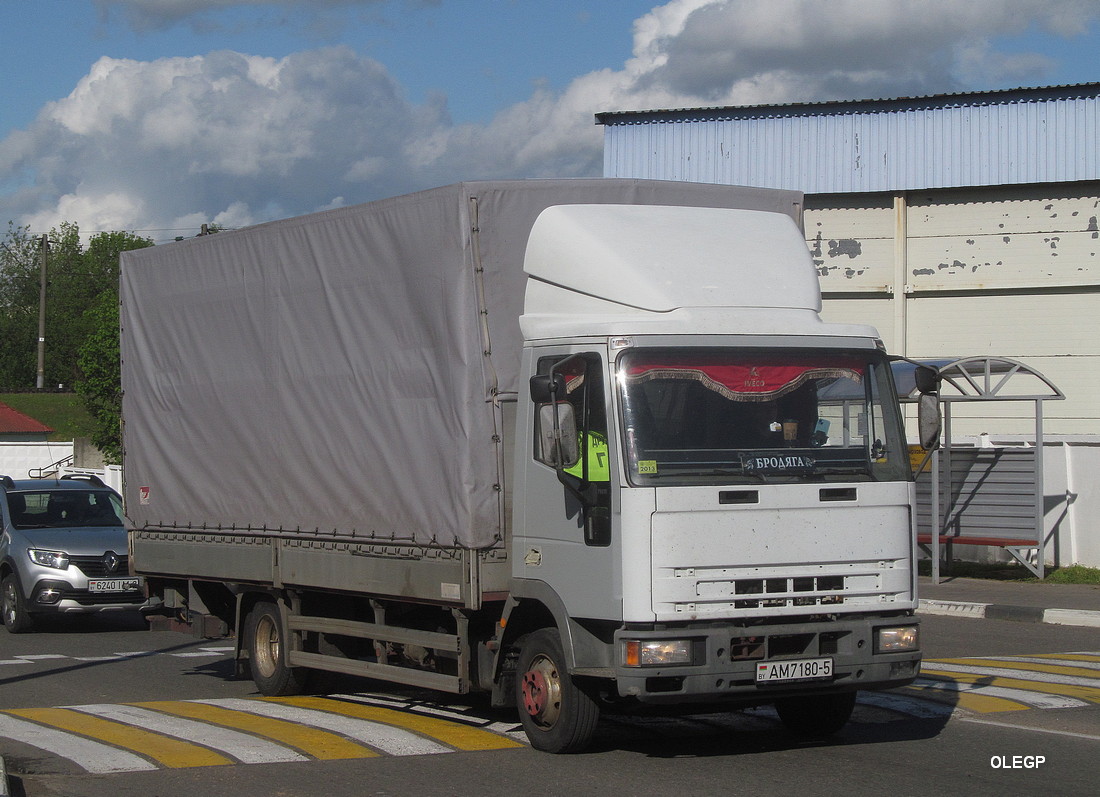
(225, 136)
(237, 139)
(100, 211)
(727, 51)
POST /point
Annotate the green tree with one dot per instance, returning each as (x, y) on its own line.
(19, 269)
(100, 386)
(76, 275)
(97, 377)
(81, 318)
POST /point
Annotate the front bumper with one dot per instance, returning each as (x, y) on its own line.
(54, 596)
(726, 660)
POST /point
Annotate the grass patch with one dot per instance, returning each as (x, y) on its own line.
(1070, 574)
(62, 412)
(1074, 574)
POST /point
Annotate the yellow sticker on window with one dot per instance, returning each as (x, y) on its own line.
(647, 466)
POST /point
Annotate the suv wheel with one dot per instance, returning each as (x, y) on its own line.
(12, 606)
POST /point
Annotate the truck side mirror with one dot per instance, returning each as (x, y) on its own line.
(927, 379)
(546, 388)
(558, 445)
(929, 421)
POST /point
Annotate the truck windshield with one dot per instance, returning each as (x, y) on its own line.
(713, 416)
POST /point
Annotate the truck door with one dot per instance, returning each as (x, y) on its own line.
(568, 538)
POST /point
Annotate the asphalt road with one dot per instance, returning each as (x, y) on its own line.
(983, 721)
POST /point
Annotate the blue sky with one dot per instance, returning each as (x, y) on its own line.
(159, 115)
(483, 55)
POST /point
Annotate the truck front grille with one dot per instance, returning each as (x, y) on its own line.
(753, 593)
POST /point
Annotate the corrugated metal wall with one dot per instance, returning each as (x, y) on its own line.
(991, 138)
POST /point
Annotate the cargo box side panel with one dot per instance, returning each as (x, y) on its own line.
(320, 376)
(326, 376)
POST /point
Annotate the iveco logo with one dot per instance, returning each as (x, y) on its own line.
(110, 561)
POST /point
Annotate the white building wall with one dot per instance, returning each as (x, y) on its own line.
(17, 460)
(1002, 271)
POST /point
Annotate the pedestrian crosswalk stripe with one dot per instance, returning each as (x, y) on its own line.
(313, 742)
(1004, 699)
(386, 738)
(167, 751)
(1079, 676)
(458, 736)
(985, 680)
(1089, 661)
(954, 692)
(89, 755)
(1085, 688)
(246, 748)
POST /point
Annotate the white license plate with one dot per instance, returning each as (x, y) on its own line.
(114, 584)
(771, 672)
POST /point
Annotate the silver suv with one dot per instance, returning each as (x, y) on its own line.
(63, 549)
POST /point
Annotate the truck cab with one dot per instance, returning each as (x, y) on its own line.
(713, 498)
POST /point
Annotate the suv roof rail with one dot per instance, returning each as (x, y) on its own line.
(91, 477)
(7, 482)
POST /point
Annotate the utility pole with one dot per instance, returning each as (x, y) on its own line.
(42, 255)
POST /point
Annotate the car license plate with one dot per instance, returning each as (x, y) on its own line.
(772, 672)
(114, 584)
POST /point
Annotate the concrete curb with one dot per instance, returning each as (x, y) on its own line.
(3, 779)
(1022, 614)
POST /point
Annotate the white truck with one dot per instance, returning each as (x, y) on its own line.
(585, 445)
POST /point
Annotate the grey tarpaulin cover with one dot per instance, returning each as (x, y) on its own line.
(327, 375)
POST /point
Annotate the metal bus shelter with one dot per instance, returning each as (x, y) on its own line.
(976, 495)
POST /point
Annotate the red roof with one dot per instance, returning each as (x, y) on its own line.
(15, 422)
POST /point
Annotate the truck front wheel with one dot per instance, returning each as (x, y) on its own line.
(557, 715)
(816, 716)
(266, 653)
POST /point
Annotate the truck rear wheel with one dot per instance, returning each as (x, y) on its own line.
(557, 715)
(267, 653)
(816, 716)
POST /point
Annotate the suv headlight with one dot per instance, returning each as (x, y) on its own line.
(57, 559)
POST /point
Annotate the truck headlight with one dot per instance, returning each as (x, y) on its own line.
(58, 559)
(898, 639)
(657, 653)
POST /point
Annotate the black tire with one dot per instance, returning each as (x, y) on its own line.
(267, 654)
(816, 716)
(557, 715)
(13, 607)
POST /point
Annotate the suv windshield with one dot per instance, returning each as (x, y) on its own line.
(710, 416)
(61, 509)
